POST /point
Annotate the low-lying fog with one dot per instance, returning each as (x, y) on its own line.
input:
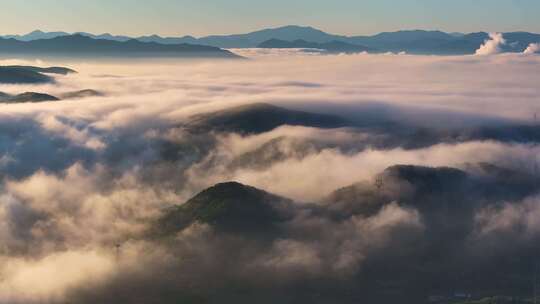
(83, 180)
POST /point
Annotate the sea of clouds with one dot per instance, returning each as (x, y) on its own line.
(79, 177)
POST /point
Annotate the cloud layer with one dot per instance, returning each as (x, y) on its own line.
(83, 180)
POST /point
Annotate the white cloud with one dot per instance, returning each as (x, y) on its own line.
(50, 278)
(492, 45)
(533, 48)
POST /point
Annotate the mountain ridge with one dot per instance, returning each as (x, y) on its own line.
(257, 118)
(27, 97)
(411, 41)
(29, 74)
(80, 45)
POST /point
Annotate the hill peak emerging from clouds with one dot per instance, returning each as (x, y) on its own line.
(230, 206)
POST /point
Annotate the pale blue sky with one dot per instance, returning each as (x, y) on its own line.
(202, 17)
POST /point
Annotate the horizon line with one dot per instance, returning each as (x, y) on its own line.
(260, 29)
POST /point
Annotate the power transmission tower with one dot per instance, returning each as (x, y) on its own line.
(117, 246)
(379, 183)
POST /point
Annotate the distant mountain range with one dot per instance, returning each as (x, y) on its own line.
(36, 35)
(80, 45)
(413, 41)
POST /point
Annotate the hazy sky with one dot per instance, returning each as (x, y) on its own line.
(202, 17)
